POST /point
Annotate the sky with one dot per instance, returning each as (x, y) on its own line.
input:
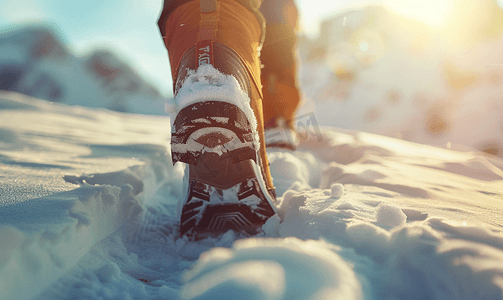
(129, 27)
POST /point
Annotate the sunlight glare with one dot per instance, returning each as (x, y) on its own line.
(431, 12)
(364, 46)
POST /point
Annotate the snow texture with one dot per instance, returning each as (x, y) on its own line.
(90, 210)
(90, 206)
(42, 238)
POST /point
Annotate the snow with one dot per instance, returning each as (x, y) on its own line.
(89, 209)
(208, 84)
(46, 236)
(272, 269)
(337, 190)
(389, 215)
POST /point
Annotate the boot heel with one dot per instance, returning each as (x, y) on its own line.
(212, 126)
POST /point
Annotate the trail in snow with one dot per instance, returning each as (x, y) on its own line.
(361, 217)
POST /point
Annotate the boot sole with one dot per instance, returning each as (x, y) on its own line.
(224, 196)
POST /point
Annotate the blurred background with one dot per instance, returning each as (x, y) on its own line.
(427, 71)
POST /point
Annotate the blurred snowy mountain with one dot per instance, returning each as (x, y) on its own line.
(370, 70)
(36, 62)
(375, 71)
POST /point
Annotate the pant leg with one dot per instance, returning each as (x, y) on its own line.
(236, 24)
(281, 95)
(279, 74)
(170, 5)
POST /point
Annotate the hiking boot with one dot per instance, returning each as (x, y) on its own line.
(215, 134)
(217, 123)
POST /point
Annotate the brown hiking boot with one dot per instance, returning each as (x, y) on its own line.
(217, 123)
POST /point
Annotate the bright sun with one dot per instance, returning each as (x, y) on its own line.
(432, 12)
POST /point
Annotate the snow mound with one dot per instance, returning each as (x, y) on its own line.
(42, 238)
(291, 171)
(337, 190)
(390, 215)
(272, 269)
(113, 178)
(430, 259)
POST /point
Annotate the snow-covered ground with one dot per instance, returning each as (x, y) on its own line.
(361, 216)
